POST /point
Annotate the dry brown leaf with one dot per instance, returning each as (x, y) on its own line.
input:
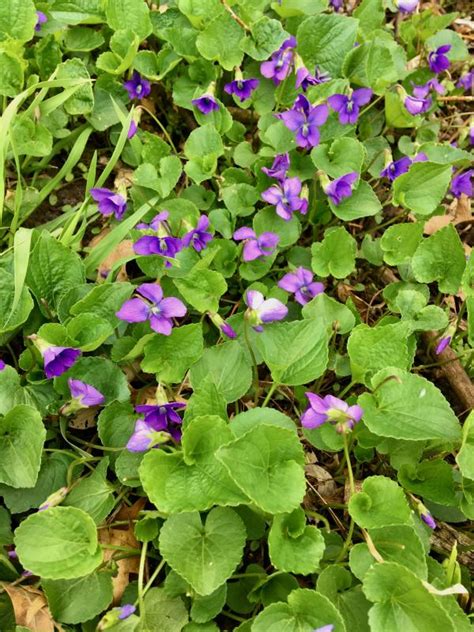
(124, 178)
(84, 418)
(127, 566)
(458, 211)
(122, 251)
(31, 608)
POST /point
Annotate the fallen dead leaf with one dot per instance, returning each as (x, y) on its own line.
(31, 608)
(126, 566)
(123, 250)
(458, 211)
(84, 418)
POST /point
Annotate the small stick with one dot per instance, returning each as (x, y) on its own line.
(234, 16)
(456, 98)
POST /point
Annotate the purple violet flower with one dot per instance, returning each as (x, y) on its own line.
(85, 394)
(126, 611)
(304, 79)
(471, 135)
(279, 65)
(132, 130)
(242, 88)
(341, 188)
(330, 409)
(437, 60)
(285, 196)
(348, 107)
(42, 18)
(159, 221)
(206, 103)
(110, 203)
(407, 6)
(224, 327)
(417, 105)
(301, 284)
(163, 417)
(166, 246)
(434, 84)
(396, 168)
(256, 247)
(2, 365)
(261, 311)
(462, 184)
(336, 4)
(305, 120)
(13, 555)
(198, 237)
(466, 81)
(143, 437)
(428, 519)
(279, 168)
(443, 343)
(137, 87)
(57, 360)
(153, 307)
(325, 628)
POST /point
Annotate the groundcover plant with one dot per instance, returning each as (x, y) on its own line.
(236, 316)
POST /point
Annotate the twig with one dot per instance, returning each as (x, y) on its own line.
(456, 98)
(234, 16)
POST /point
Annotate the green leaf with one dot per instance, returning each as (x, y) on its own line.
(433, 480)
(267, 464)
(6, 535)
(52, 271)
(400, 596)
(58, 543)
(162, 613)
(202, 288)
(100, 373)
(373, 348)
(377, 64)
(89, 331)
(194, 479)
(371, 14)
(171, 356)
(298, 552)
(291, 8)
(134, 14)
(409, 407)
(206, 608)
(240, 198)
(219, 41)
(31, 139)
(422, 188)
(22, 436)
(82, 39)
(334, 315)
(324, 40)
(11, 320)
(204, 141)
(306, 610)
(103, 301)
(78, 600)
(335, 255)
(228, 368)
(440, 258)
(51, 477)
(266, 36)
(205, 554)
(115, 424)
(399, 544)
(11, 75)
(17, 20)
(465, 457)
(345, 155)
(362, 203)
(82, 101)
(93, 494)
(380, 503)
(206, 400)
(400, 242)
(305, 351)
(162, 179)
(243, 422)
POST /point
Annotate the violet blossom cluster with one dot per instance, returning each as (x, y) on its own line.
(159, 421)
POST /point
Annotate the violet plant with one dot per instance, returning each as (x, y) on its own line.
(237, 316)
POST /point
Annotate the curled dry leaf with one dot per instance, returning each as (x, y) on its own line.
(459, 211)
(31, 608)
(126, 566)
